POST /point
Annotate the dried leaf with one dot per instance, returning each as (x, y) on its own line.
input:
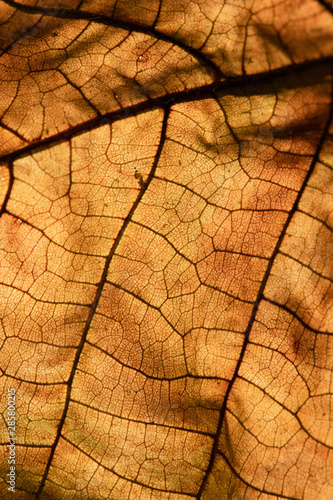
(166, 183)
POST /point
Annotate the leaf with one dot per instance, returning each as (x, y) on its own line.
(166, 249)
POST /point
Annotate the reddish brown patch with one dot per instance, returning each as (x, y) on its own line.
(144, 57)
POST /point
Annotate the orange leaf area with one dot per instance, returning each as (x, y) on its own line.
(166, 195)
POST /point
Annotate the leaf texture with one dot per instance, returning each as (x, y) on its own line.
(166, 182)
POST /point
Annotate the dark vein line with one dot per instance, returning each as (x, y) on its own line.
(186, 376)
(230, 212)
(12, 131)
(285, 408)
(209, 287)
(44, 301)
(30, 445)
(62, 246)
(145, 422)
(190, 190)
(98, 296)
(323, 162)
(143, 301)
(326, 6)
(207, 63)
(38, 383)
(239, 477)
(245, 42)
(229, 87)
(306, 266)
(260, 297)
(20, 36)
(80, 91)
(158, 13)
(286, 357)
(312, 216)
(9, 189)
(279, 403)
(129, 480)
(194, 264)
(295, 315)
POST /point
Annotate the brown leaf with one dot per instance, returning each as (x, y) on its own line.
(166, 249)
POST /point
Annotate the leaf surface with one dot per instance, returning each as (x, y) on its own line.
(166, 248)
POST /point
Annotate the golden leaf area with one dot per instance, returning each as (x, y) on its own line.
(166, 256)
